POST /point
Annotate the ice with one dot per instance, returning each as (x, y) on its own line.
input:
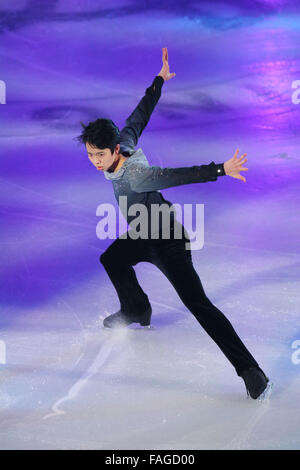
(66, 382)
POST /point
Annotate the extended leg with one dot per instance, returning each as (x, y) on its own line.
(176, 263)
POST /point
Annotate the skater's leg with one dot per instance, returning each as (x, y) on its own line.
(175, 262)
(118, 260)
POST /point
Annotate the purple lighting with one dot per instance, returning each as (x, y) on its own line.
(66, 382)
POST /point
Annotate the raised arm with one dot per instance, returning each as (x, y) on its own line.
(139, 118)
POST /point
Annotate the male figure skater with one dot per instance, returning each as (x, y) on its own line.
(114, 153)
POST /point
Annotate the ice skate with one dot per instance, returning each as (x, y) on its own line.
(122, 319)
(257, 383)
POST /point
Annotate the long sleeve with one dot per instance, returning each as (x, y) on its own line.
(144, 179)
(139, 118)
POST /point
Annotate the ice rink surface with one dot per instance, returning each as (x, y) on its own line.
(67, 383)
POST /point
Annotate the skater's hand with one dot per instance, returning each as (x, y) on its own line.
(165, 72)
(233, 166)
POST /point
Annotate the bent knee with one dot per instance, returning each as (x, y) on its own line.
(103, 257)
(108, 257)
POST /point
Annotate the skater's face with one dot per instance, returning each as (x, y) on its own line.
(102, 159)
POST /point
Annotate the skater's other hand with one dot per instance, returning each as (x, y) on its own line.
(234, 165)
(165, 72)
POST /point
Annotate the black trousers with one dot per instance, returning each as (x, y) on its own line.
(175, 261)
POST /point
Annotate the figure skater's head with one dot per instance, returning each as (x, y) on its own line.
(102, 142)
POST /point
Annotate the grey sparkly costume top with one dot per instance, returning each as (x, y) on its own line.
(140, 182)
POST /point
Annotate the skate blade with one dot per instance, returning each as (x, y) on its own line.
(115, 327)
(266, 393)
(129, 327)
(143, 327)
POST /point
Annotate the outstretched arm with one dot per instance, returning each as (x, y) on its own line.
(146, 179)
(139, 118)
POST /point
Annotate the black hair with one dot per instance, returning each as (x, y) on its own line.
(102, 133)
